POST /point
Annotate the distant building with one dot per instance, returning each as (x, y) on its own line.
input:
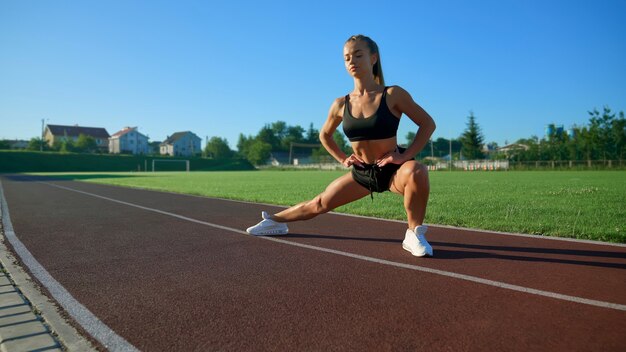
(181, 144)
(512, 148)
(129, 140)
(55, 133)
(154, 147)
(17, 144)
(553, 130)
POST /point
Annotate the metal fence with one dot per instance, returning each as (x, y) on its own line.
(498, 165)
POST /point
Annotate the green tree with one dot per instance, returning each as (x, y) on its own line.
(266, 134)
(472, 139)
(217, 148)
(312, 135)
(85, 144)
(341, 142)
(66, 145)
(294, 134)
(36, 143)
(279, 128)
(322, 155)
(4, 144)
(243, 144)
(258, 152)
(410, 136)
(619, 134)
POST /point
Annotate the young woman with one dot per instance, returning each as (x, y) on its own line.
(370, 115)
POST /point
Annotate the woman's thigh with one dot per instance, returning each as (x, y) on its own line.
(403, 175)
(342, 191)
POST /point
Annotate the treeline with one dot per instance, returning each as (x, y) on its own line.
(604, 138)
(274, 137)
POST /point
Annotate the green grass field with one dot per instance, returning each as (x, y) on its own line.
(583, 204)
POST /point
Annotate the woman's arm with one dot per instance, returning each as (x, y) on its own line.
(403, 102)
(327, 131)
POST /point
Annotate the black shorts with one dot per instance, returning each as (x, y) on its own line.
(374, 178)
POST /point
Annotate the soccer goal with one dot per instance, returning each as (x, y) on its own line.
(155, 161)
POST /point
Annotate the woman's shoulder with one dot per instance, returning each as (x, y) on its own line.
(336, 108)
(397, 93)
(339, 103)
(395, 89)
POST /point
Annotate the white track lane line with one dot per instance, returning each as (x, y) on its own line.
(479, 280)
(94, 326)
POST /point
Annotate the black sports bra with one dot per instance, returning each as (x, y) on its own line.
(383, 124)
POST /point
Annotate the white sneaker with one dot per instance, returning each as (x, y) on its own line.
(417, 244)
(268, 227)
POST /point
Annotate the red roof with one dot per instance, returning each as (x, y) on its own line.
(75, 131)
(123, 131)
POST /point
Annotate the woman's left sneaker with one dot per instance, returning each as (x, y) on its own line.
(268, 227)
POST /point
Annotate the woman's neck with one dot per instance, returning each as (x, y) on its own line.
(364, 85)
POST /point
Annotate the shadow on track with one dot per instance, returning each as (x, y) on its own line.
(483, 251)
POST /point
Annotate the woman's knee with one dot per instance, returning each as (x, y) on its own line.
(417, 174)
(317, 206)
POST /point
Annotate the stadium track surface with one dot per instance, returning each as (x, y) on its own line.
(168, 284)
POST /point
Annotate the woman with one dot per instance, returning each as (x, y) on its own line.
(370, 115)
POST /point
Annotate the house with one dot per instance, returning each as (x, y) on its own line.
(129, 140)
(181, 144)
(512, 148)
(17, 144)
(154, 147)
(57, 133)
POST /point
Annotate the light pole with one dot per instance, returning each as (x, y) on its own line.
(450, 154)
(42, 136)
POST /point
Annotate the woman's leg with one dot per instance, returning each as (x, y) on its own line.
(411, 181)
(341, 191)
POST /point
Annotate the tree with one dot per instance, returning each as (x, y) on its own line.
(294, 134)
(341, 142)
(258, 152)
(217, 148)
(85, 144)
(279, 128)
(312, 135)
(66, 146)
(619, 134)
(410, 136)
(472, 139)
(322, 155)
(4, 144)
(266, 134)
(36, 143)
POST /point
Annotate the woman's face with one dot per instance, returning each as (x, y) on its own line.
(358, 59)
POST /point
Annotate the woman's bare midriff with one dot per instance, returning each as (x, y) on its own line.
(371, 151)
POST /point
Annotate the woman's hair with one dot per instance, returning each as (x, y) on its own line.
(378, 68)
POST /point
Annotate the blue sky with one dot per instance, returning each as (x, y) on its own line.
(229, 67)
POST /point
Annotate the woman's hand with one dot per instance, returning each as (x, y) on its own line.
(352, 160)
(394, 157)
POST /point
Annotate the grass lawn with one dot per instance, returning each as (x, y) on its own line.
(576, 204)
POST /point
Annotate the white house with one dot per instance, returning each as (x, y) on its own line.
(181, 144)
(128, 140)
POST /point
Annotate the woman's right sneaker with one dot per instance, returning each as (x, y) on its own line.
(415, 242)
(268, 227)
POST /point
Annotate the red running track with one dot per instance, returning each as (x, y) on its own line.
(166, 283)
